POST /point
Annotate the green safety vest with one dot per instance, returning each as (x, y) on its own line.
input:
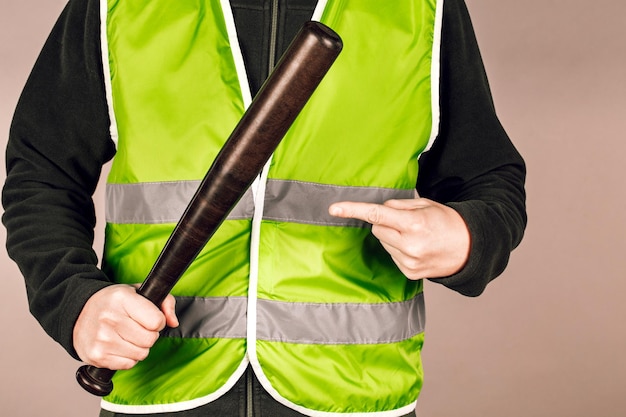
(314, 303)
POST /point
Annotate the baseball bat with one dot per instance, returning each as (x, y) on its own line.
(272, 112)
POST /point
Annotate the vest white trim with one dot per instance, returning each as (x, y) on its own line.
(254, 283)
(180, 406)
(435, 75)
(319, 10)
(237, 55)
(106, 67)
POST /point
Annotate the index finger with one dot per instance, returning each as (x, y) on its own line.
(376, 214)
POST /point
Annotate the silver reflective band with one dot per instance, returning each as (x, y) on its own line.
(289, 201)
(310, 323)
(307, 202)
(338, 324)
(159, 202)
(223, 317)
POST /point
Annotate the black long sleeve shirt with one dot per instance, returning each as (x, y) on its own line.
(59, 141)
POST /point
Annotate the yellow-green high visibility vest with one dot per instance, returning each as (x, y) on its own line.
(313, 303)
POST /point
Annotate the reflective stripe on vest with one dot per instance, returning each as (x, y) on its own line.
(293, 201)
(310, 300)
(300, 322)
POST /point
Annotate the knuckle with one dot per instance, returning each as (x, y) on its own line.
(146, 339)
(152, 338)
(374, 215)
(104, 335)
(126, 364)
(414, 251)
(415, 227)
(142, 354)
(96, 355)
(118, 294)
(414, 276)
(412, 265)
(107, 318)
(155, 323)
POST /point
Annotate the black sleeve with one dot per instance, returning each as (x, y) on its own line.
(473, 166)
(58, 141)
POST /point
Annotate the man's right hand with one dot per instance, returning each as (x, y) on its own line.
(117, 327)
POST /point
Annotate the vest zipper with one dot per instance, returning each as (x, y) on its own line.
(249, 393)
(273, 35)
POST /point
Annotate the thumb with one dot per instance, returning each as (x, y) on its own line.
(168, 307)
(408, 204)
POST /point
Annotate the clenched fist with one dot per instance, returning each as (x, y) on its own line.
(117, 327)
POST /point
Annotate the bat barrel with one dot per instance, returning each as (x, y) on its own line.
(272, 112)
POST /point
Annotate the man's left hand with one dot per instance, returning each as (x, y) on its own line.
(424, 238)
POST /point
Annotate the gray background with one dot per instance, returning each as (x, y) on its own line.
(547, 338)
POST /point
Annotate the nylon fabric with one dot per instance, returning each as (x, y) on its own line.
(395, 391)
(157, 383)
(172, 65)
(367, 100)
(146, 40)
(221, 269)
(368, 274)
(366, 126)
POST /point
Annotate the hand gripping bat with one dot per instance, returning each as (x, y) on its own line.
(273, 110)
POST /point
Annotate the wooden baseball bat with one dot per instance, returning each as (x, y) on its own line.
(272, 112)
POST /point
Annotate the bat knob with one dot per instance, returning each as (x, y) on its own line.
(96, 381)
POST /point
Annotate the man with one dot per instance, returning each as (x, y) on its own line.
(296, 306)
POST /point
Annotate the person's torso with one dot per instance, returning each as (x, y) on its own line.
(310, 300)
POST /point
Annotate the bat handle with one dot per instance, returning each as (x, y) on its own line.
(96, 381)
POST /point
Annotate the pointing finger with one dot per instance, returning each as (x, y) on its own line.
(375, 214)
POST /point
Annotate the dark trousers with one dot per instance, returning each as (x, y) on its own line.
(246, 399)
